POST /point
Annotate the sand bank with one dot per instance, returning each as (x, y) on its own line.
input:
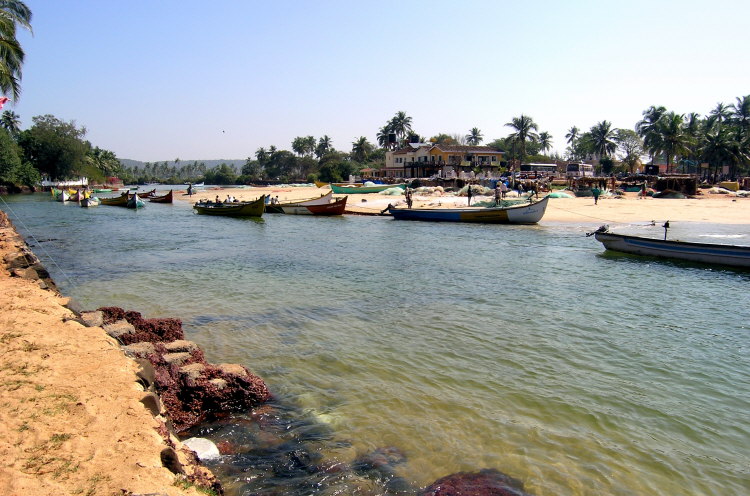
(71, 417)
(717, 208)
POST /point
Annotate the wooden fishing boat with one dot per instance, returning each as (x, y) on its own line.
(358, 189)
(529, 213)
(334, 208)
(718, 254)
(117, 201)
(91, 201)
(102, 190)
(162, 199)
(79, 195)
(145, 194)
(277, 208)
(135, 202)
(242, 209)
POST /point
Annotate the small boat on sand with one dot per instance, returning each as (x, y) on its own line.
(711, 253)
(276, 208)
(529, 213)
(161, 199)
(240, 209)
(358, 189)
(334, 208)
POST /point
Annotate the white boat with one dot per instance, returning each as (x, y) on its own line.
(530, 213)
(92, 201)
(730, 255)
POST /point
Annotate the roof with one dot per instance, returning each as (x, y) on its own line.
(467, 149)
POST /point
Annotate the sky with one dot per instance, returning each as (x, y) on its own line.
(182, 79)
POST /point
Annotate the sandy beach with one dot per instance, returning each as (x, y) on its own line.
(72, 421)
(716, 208)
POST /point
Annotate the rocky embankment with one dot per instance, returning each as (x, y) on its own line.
(92, 402)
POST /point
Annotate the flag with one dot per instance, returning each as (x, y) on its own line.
(3, 99)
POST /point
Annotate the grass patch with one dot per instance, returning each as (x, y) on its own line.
(185, 484)
(45, 460)
(7, 337)
(93, 481)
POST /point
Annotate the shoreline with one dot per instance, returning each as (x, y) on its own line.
(75, 419)
(628, 209)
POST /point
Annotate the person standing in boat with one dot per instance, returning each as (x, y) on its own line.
(498, 194)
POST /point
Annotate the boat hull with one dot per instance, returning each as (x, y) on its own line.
(278, 208)
(168, 198)
(730, 255)
(520, 214)
(359, 190)
(250, 209)
(118, 201)
(334, 208)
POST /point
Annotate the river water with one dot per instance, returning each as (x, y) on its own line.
(522, 348)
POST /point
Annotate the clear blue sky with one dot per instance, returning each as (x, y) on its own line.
(159, 80)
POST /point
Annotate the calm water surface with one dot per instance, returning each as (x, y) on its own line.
(521, 348)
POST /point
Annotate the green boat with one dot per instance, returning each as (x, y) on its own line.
(242, 209)
(103, 190)
(357, 189)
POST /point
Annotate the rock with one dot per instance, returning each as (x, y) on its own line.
(218, 383)
(119, 328)
(205, 449)
(152, 403)
(43, 284)
(488, 482)
(193, 371)
(232, 369)
(176, 358)
(170, 460)
(181, 345)
(17, 261)
(92, 319)
(29, 273)
(140, 350)
(146, 373)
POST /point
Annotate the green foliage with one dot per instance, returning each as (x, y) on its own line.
(54, 147)
(223, 174)
(10, 161)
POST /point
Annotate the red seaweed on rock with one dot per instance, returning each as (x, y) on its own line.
(194, 391)
(487, 482)
(150, 330)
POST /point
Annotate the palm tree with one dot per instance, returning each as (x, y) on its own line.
(12, 13)
(740, 111)
(400, 124)
(545, 141)
(525, 128)
(361, 149)
(672, 136)
(474, 137)
(603, 138)
(721, 113)
(261, 155)
(572, 135)
(646, 129)
(11, 121)
(324, 145)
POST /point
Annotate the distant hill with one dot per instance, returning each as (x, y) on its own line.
(210, 164)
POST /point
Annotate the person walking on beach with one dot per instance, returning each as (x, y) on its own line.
(468, 193)
(190, 189)
(407, 193)
(498, 195)
(596, 192)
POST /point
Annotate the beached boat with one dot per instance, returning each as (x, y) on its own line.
(117, 201)
(358, 189)
(162, 199)
(277, 208)
(242, 209)
(529, 213)
(102, 190)
(731, 255)
(334, 208)
(135, 202)
(144, 194)
(91, 201)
